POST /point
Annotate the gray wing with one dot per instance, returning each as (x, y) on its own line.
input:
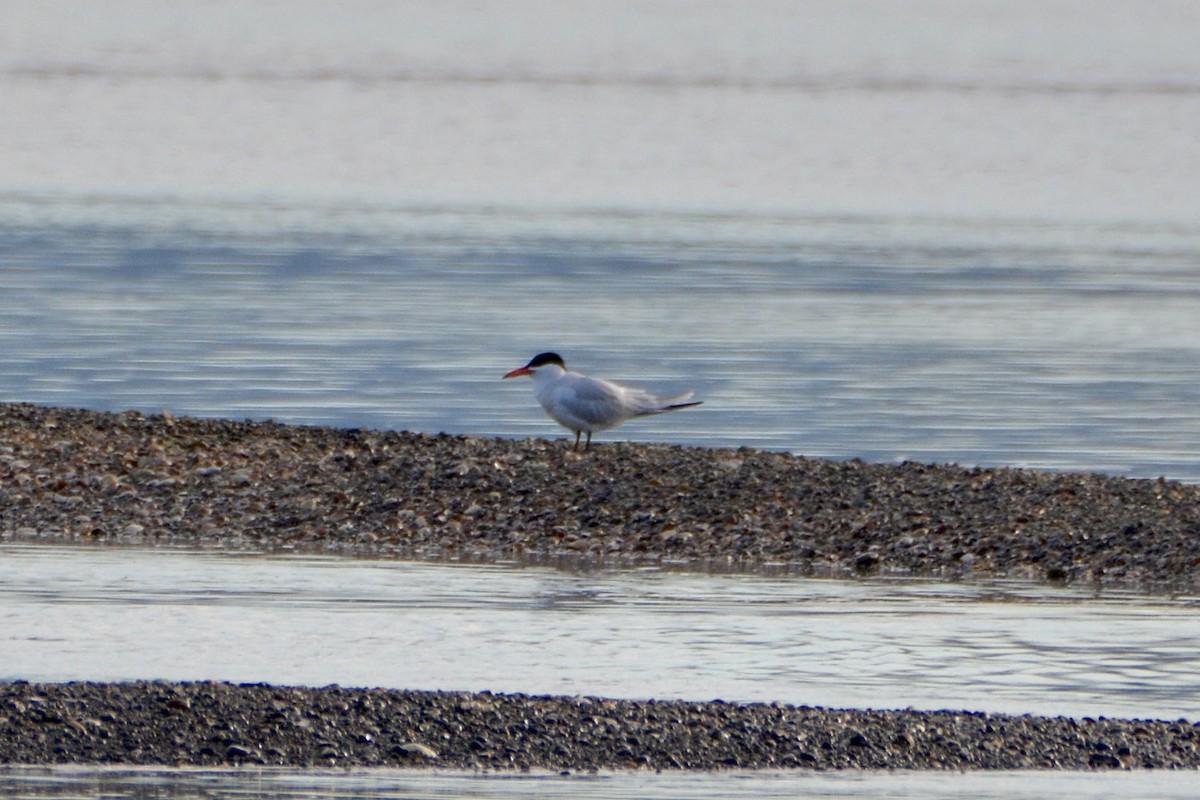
(599, 396)
(598, 402)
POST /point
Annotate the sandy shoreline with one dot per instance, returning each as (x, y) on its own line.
(70, 475)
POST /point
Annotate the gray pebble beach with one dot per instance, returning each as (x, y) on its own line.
(128, 478)
(220, 723)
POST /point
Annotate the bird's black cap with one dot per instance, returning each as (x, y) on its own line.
(542, 359)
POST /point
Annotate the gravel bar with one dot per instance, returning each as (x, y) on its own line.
(129, 478)
(204, 724)
(69, 474)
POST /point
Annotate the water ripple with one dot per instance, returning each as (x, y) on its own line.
(80, 613)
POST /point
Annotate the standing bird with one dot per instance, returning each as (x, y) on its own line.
(580, 403)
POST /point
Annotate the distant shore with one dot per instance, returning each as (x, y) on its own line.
(68, 474)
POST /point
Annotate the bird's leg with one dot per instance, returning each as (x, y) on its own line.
(588, 446)
(576, 448)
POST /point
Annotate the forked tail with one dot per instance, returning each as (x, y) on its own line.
(655, 404)
(677, 402)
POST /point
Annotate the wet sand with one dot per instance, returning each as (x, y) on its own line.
(127, 478)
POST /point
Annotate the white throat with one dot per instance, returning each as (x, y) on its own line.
(547, 374)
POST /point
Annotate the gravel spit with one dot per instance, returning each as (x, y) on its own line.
(129, 478)
(207, 724)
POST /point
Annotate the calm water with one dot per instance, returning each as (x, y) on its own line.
(932, 230)
(109, 613)
(71, 783)
(114, 614)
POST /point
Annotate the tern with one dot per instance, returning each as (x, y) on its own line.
(584, 404)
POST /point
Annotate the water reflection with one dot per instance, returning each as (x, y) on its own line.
(89, 783)
(79, 613)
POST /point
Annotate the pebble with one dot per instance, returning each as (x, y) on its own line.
(128, 478)
(74, 474)
(208, 724)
